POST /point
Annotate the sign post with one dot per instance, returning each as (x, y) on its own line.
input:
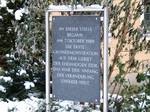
(48, 73)
(75, 59)
(105, 75)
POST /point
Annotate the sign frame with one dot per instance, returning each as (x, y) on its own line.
(105, 51)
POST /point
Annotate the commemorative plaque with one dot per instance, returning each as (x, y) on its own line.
(76, 58)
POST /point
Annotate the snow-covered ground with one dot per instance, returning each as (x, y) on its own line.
(34, 104)
(28, 105)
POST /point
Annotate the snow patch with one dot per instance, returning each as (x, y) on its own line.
(6, 79)
(19, 14)
(66, 103)
(97, 6)
(10, 10)
(22, 72)
(147, 73)
(3, 3)
(3, 106)
(28, 84)
(2, 88)
(78, 7)
(27, 105)
(1, 17)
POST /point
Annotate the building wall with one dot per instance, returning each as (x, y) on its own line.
(142, 56)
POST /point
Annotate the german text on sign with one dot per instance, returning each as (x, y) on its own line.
(76, 58)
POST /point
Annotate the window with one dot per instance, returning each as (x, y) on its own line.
(147, 16)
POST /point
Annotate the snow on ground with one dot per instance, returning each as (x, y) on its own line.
(32, 105)
(70, 106)
(3, 107)
(28, 105)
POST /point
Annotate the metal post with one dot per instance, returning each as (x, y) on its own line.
(105, 77)
(47, 62)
